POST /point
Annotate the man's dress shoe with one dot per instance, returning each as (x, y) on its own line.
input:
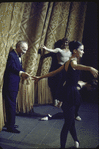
(13, 130)
(15, 126)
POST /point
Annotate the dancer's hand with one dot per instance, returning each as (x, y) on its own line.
(94, 72)
(42, 46)
(35, 78)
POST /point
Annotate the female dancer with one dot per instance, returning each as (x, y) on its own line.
(71, 96)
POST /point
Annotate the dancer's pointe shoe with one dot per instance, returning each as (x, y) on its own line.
(49, 115)
(46, 118)
(59, 104)
(56, 102)
(76, 144)
(78, 118)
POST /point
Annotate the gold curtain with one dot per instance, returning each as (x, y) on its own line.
(10, 21)
(38, 23)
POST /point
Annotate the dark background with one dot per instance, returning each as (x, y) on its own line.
(90, 39)
(90, 57)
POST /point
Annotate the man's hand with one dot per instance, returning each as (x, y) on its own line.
(24, 75)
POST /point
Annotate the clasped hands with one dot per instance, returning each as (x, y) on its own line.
(25, 76)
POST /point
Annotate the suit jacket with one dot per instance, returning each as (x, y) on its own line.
(11, 75)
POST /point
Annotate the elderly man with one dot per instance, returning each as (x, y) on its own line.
(12, 75)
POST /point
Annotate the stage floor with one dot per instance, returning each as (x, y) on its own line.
(46, 134)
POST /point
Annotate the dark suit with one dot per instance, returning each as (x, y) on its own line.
(11, 86)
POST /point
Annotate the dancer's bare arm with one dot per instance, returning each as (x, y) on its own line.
(50, 50)
(93, 71)
(51, 74)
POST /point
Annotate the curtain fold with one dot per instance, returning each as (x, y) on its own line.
(38, 23)
(35, 24)
(76, 21)
(10, 21)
